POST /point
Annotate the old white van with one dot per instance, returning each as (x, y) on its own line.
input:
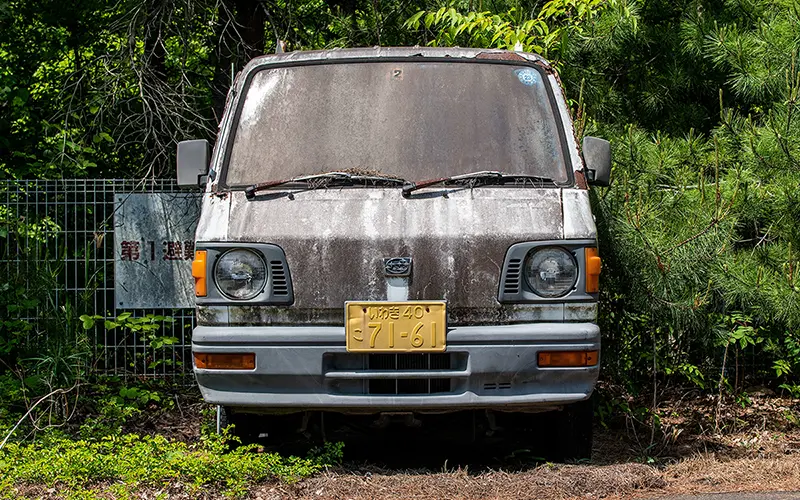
(394, 233)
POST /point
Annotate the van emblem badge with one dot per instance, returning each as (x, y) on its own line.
(397, 267)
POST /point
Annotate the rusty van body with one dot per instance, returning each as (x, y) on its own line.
(397, 231)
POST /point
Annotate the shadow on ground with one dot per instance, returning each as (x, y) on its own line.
(467, 440)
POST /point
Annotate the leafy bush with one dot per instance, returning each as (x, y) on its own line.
(139, 461)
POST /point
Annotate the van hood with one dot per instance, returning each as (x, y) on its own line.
(336, 240)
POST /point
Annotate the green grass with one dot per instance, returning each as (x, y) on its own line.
(121, 465)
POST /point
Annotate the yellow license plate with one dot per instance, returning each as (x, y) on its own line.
(396, 326)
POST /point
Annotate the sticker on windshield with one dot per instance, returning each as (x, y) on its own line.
(527, 76)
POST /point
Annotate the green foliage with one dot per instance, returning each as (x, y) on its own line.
(42, 351)
(135, 461)
(700, 232)
(793, 390)
(147, 328)
(547, 34)
(22, 292)
(112, 404)
(741, 331)
(99, 88)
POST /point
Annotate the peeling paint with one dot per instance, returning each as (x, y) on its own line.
(213, 224)
(566, 120)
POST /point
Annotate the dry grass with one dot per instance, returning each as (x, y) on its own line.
(701, 474)
(706, 473)
(546, 481)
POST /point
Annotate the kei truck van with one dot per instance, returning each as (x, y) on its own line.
(394, 234)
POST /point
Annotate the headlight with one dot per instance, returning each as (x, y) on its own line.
(551, 271)
(240, 274)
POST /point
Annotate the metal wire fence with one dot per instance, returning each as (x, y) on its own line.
(58, 245)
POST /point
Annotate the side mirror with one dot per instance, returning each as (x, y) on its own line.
(193, 157)
(597, 158)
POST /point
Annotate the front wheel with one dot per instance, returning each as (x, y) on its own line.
(243, 428)
(573, 432)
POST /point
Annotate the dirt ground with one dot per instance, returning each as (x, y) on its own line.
(744, 445)
(701, 448)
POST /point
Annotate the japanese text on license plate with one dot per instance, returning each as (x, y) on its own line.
(396, 326)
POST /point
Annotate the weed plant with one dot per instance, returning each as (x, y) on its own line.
(122, 465)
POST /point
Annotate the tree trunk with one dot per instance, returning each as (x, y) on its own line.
(238, 40)
(250, 18)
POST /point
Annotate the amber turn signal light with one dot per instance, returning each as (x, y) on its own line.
(216, 361)
(592, 270)
(563, 359)
(199, 273)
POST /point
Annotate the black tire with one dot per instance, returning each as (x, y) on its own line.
(573, 432)
(243, 428)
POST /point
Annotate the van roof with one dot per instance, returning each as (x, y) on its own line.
(397, 52)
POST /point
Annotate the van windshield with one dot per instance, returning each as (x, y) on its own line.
(408, 120)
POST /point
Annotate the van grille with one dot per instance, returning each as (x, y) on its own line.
(511, 283)
(433, 361)
(438, 372)
(358, 362)
(280, 285)
(408, 386)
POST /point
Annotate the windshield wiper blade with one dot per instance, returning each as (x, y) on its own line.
(251, 191)
(484, 175)
(325, 180)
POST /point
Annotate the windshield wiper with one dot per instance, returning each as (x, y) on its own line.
(324, 180)
(485, 177)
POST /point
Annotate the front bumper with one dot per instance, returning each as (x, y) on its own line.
(308, 368)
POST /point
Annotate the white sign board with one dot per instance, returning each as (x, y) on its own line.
(153, 249)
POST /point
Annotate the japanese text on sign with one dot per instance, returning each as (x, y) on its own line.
(154, 247)
(168, 250)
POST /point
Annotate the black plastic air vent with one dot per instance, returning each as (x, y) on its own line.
(498, 386)
(513, 275)
(280, 285)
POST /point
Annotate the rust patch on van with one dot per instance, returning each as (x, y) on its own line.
(580, 180)
(220, 193)
(501, 56)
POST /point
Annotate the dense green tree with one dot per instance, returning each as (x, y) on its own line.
(102, 88)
